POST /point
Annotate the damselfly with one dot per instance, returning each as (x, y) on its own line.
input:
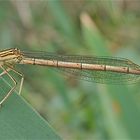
(97, 69)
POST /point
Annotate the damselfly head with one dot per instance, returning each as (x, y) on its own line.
(10, 55)
(14, 51)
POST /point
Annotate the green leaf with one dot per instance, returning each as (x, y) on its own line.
(18, 120)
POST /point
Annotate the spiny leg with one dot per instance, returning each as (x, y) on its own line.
(12, 89)
(20, 74)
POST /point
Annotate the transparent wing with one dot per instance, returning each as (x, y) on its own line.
(92, 75)
(104, 77)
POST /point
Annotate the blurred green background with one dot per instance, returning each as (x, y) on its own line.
(77, 109)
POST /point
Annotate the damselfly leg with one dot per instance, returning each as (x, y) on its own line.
(5, 71)
(20, 74)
